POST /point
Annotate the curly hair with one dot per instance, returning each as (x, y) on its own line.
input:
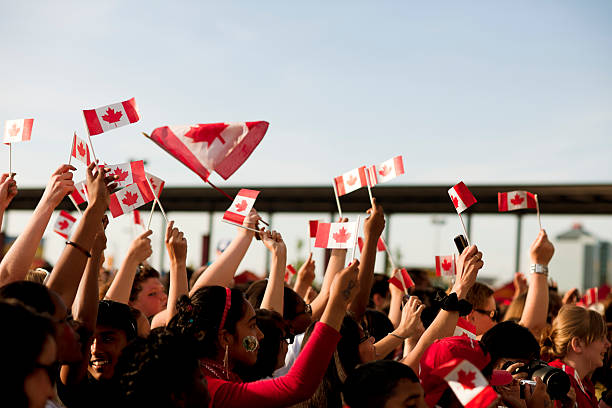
(143, 273)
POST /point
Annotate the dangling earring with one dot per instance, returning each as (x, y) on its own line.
(226, 362)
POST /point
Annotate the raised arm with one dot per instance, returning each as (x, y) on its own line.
(305, 277)
(139, 251)
(409, 326)
(69, 267)
(395, 306)
(8, 191)
(468, 265)
(335, 265)
(176, 244)
(222, 271)
(18, 259)
(273, 296)
(372, 228)
(536, 304)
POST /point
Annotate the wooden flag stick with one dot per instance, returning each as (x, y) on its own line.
(538, 210)
(10, 159)
(464, 229)
(151, 215)
(75, 204)
(71, 149)
(356, 235)
(337, 199)
(240, 226)
(369, 188)
(157, 200)
(92, 149)
(388, 253)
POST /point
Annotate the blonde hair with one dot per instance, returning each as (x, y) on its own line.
(572, 321)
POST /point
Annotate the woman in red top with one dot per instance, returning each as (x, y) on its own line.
(577, 343)
(225, 326)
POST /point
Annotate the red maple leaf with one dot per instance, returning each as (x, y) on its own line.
(517, 199)
(121, 175)
(241, 206)
(341, 236)
(446, 265)
(152, 180)
(351, 180)
(384, 170)
(466, 379)
(63, 224)
(130, 198)
(81, 149)
(14, 131)
(206, 133)
(112, 116)
(455, 201)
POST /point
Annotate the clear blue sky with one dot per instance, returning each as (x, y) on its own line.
(486, 92)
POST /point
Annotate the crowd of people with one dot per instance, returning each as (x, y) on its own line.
(80, 336)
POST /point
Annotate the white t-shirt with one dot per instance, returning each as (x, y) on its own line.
(292, 353)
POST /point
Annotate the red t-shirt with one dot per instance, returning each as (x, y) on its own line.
(585, 391)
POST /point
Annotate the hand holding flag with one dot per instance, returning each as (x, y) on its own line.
(80, 150)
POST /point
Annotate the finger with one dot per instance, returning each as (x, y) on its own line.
(469, 251)
(180, 236)
(513, 367)
(4, 177)
(309, 259)
(90, 169)
(63, 169)
(169, 230)
(145, 234)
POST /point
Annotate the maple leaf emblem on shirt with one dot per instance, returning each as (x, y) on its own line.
(241, 206)
(112, 116)
(517, 199)
(466, 379)
(455, 201)
(63, 224)
(130, 198)
(446, 265)
(384, 170)
(14, 130)
(351, 180)
(341, 236)
(81, 149)
(206, 133)
(121, 175)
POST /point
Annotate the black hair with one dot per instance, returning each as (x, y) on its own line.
(291, 300)
(142, 274)
(372, 384)
(200, 317)
(118, 316)
(24, 333)
(274, 328)
(32, 294)
(510, 340)
(378, 325)
(380, 286)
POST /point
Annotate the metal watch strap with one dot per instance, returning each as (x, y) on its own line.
(539, 268)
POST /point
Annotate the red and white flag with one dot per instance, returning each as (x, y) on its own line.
(63, 224)
(204, 148)
(465, 328)
(80, 150)
(385, 171)
(109, 117)
(515, 200)
(130, 198)
(289, 271)
(240, 208)
(396, 279)
(79, 194)
(351, 181)
(336, 235)
(461, 197)
(156, 183)
(467, 382)
(312, 228)
(127, 173)
(137, 218)
(445, 265)
(380, 245)
(18, 130)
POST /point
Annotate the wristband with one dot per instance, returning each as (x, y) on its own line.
(398, 336)
(539, 268)
(451, 303)
(80, 248)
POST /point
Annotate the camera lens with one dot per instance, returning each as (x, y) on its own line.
(557, 382)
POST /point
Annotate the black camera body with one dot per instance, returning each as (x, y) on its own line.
(556, 380)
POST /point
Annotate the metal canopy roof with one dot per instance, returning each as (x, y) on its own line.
(554, 199)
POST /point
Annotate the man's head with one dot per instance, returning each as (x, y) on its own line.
(115, 328)
(484, 310)
(385, 384)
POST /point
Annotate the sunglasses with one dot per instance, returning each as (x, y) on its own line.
(491, 313)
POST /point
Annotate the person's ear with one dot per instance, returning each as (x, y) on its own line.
(576, 345)
(225, 338)
(470, 317)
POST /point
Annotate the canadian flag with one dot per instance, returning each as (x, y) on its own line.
(467, 382)
(80, 150)
(79, 194)
(445, 265)
(515, 200)
(289, 270)
(380, 245)
(465, 328)
(336, 235)
(18, 130)
(156, 183)
(129, 198)
(109, 117)
(127, 173)
(385, 171)
(204, 148)
(351, 181)
(461, 197)
(63, 224)
(396, 279)
(312, 228)
(240, 208)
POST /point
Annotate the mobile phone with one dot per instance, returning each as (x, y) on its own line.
(461, 243)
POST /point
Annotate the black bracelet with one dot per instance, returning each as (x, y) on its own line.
(451, 303)
(80, 248)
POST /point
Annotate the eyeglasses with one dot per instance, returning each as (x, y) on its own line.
(491, 313)
(365, 337)
(51, 369)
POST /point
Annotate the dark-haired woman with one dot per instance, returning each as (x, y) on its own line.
(225, 325)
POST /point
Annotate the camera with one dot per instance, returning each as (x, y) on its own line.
(556, 380)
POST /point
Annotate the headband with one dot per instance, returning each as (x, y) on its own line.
(228, 304)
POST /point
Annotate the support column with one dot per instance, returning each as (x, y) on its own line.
(517, 260)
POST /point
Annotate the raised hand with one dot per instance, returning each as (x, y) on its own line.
(99, 185)
(542, 250)
(59, 185)
(374, 225)
(273, 240)
(410, 323)
(468, 264)
(176, 244)
(8, 190)
(307, 270)
(251, 220)
(520, 283)
(345, 286)
(141, 249)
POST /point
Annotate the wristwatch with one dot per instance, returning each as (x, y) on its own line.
(539, 268)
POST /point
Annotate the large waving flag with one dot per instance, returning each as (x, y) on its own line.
(204, 148)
